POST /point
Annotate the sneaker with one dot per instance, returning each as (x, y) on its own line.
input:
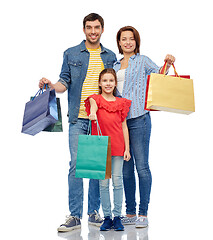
(141, 222)
(117, 225)
(107, 224)
(95, 219)
(70, 224)
(128, 220)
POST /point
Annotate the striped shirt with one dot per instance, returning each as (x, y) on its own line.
(134, 88)
(90, 85)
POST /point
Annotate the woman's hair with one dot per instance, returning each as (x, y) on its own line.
(92, 17)
(111, 71)
(136, 36)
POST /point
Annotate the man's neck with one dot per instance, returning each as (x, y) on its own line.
(92, 45)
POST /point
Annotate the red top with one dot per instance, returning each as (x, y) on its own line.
(110, 115)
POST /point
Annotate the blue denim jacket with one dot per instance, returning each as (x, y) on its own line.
(74, 71)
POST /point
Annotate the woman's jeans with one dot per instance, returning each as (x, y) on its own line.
(117, 182)
(76, 191)
(139, 134)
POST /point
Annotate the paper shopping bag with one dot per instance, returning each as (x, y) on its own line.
(40, 112)
(93, 157)
(56, 127)
(170, 93)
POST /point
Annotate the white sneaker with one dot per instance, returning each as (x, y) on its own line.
(128, 220)
(141, 222)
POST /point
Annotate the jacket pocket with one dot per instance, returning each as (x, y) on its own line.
(75, 68)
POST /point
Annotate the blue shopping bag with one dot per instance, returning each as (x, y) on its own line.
(40, 112)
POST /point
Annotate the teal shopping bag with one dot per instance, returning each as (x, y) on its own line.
(93, 156)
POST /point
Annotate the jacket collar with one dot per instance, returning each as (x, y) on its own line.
(83, 47)
(132, 57)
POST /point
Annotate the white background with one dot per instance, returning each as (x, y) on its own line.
(33, 170)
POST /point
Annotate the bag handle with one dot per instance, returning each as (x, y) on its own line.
(163, 70)
(89, 131)
(40, 91)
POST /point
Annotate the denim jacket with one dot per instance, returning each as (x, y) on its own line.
(74, 71)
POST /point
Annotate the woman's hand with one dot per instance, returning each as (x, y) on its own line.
(127, 155)
(169, 59)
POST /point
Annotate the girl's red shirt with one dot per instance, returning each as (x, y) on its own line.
(110, 115)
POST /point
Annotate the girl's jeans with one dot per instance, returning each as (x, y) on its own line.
(76, 190)
(139, 134)
(117, 182)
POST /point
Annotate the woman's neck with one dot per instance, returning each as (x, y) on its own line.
(125, 60)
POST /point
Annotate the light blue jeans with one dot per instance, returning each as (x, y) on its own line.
(76, 190)
(117, 182)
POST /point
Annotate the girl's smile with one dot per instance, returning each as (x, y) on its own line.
(107, 83)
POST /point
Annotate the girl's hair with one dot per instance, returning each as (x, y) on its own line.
(111, 71)
(136, 36)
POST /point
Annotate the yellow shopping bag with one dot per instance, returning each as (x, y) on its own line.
(170, 93)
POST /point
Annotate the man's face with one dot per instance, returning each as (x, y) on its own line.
(93, 31)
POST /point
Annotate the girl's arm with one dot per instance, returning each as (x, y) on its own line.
(126, 141)
(93, 109)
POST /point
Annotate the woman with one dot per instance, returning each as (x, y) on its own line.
(132, 71)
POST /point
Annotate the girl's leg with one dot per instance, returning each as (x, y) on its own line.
(117, 181)
(105, 197)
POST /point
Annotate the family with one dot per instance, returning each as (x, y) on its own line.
(112, 92)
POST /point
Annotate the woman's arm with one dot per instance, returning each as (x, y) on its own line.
(126, 141)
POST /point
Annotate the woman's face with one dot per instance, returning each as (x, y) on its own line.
(127, 42)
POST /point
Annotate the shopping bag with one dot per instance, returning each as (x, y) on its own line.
(93, 156)
(170, 93)
(56, 127)
(40, 112)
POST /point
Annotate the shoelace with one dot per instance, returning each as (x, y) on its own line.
(69, 219)
(141, 219)
(97, 216)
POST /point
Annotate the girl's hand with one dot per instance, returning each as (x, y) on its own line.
(92, 116)
(127, 156)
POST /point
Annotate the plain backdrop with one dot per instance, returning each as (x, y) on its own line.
(33, 170)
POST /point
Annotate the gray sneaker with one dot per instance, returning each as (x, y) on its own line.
(128, 220)
(95, 219)
(141, 222)
(70, 224)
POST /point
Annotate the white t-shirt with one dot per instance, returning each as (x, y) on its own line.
(120, 78)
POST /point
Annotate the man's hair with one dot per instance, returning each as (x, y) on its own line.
(92, 17)
(136, 36)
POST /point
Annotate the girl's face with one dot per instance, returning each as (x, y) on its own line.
(107, 83)
(127, 42)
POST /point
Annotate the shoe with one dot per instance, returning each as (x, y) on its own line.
(141, 222)
(70, 224)
(107, 224)
(117, 225)
(95, 219)
(128, 220)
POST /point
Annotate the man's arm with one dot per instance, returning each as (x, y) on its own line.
(59, 87)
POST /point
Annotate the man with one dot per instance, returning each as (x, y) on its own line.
(79, 75)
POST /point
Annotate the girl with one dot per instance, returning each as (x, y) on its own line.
(111, 112)
(132, 71)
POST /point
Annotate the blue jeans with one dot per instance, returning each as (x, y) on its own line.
(117, 181)
(76, 190)
(139, 134)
